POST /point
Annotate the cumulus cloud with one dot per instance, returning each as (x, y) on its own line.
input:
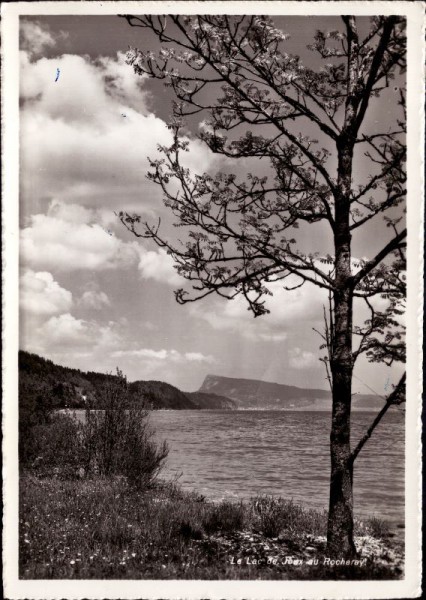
(302, 359)
(164, 355)
(142, 353)
(67, 239)
(198, 357)
(40, 294)
(71, 237)
(121, 83)
(34, 38)
(94, 300)
(286, 308)
(158, 265)
(65, 332)
(92, 133)
(272, 337)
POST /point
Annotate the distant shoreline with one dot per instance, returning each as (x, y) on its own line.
(63, 387)
(235, 410)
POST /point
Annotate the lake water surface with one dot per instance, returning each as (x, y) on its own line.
(239, 454)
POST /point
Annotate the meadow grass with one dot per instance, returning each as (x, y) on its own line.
(101, 528)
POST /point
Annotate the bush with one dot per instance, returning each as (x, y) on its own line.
(378, 528)
(119, 441)
(225, 517)
(57, 447)
(116, 441)
(34, 411)
(269, 515)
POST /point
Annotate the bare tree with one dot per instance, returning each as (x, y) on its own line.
(241, 233)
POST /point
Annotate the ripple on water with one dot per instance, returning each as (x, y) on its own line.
(243, 453)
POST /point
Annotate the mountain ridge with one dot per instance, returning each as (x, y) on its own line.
(42, 382)
(265, 395)
(50, 386)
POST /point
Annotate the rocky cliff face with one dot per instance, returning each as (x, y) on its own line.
(211, 401)
(160, 395)
(256, 394)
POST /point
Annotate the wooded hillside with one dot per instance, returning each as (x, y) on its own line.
(44, 386)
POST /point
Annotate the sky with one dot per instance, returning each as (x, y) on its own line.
(94, 297)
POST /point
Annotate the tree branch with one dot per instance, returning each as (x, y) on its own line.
(395, 397)
(374, 69)
(392, 245)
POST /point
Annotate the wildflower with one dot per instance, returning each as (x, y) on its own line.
(72, 562)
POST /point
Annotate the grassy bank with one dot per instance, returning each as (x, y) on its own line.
(100, 528)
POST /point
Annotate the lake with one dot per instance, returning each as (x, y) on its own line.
(240, 454)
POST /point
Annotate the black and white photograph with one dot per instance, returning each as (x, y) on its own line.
(214, 224)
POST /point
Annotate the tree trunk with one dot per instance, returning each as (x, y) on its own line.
(340, 541)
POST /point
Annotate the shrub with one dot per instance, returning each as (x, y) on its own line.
(188, 531)
(225, 517)
(141, 458)
(119, 441)
(269, 515)
(58, 448)
(115, 441)
(378, 528)
(34, 411)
